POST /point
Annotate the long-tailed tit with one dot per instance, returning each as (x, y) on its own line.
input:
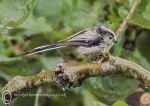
(89, 41)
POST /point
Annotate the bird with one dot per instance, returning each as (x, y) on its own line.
(97, 39)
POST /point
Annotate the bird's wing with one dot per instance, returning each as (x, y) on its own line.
(74, 35)
(88, 37)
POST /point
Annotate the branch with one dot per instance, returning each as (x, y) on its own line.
(72, 75)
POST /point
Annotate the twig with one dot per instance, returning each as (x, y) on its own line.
(125, 21)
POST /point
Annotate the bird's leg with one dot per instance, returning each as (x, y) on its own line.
(103, 57)
(93, 59)
(99, 58)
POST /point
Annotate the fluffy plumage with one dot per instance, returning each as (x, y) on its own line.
(92, 40)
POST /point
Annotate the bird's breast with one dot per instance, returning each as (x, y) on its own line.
(90, 50)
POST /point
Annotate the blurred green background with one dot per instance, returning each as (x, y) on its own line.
(25, 24)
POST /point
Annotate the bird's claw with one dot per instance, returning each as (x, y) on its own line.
(100, 58)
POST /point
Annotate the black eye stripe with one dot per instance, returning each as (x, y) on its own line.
(100, 31)
(112, 35)
(95, 42)
(103, 32)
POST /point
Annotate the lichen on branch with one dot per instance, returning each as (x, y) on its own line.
(72, 74)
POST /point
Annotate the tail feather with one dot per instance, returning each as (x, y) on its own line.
(42, 49)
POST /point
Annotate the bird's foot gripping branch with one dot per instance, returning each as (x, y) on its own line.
(63, 74)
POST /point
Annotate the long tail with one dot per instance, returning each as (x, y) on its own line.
(42, 49)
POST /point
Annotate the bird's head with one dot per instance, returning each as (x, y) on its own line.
(108, 35)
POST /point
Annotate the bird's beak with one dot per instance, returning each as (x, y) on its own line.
(115, 41)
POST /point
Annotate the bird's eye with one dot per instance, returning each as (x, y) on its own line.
(110, 37)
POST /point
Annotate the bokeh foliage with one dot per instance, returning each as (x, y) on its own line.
(25, 24)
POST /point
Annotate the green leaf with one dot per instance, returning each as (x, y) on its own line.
(113, 87)
(13, 66)
(90, 99)
(50, 62)
(24, 100)
(143, 43)
(1, 102)
(141, 59)
(81, 14)
(120, 103)
(36, 25)
(15, 12)
(51, 9)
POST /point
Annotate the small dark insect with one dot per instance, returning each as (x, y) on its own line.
(89, 41)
